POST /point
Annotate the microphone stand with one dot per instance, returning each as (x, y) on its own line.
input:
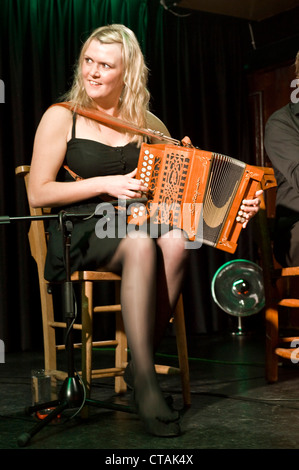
(72, 393)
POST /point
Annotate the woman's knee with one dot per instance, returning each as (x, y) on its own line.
(140, 247)
(174, 241)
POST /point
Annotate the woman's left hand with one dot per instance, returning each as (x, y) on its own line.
(250, 207)
(186, 141)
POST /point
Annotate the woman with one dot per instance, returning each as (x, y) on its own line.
(111, 76)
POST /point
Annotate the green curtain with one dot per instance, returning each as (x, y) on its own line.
(197, 84)
(40, 42)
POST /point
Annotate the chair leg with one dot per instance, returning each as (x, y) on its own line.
(179, 322)
(271, 318)
(87, 320)
(50, 359)
(121, 353)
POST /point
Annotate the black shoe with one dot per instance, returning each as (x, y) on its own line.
(158, 428)
(128, 376)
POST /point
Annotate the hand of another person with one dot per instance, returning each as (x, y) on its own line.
(250, 207)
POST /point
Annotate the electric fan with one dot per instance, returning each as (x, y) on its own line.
(238, 289)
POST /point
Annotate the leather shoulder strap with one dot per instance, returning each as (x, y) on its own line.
(112, 121)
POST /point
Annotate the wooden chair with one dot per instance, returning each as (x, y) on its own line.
(279, 288)
(38, 247)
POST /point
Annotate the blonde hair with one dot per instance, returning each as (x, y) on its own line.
(133, 104)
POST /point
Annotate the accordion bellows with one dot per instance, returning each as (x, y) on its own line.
(197, 191)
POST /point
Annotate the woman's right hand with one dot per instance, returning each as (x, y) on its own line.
(124, 186)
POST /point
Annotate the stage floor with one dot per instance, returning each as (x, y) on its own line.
(232, 405)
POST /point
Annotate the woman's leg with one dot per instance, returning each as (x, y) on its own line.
(136, 258)
(172, 260)
(172, 257)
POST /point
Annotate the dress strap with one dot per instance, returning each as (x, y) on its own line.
(74, 126)
(72, 173)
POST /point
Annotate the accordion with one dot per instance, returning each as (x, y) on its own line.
(197, 191)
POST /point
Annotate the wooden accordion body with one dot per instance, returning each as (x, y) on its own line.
(197, 191)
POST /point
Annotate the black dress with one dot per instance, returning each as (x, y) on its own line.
(87, 158)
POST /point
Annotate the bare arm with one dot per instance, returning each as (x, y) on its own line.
(48, 155)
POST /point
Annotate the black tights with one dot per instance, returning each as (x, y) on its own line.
(152, 272)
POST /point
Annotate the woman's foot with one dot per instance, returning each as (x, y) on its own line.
(160, 429)
(158, 418)
(129, 379)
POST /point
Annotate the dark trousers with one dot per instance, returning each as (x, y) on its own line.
(286, 246)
